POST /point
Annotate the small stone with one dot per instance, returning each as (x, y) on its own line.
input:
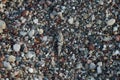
(7, 65)
(2, 24)
(99, 70)
(115, 29)
(11, 58)
(70, 20)
(23, 33)
(111, 22)
(99, 22)
(35, 21)
(99, 63)
(101, 2)
(30, 70)
(79, 65)
(116, 52)
(1, 30)
(40, 31)
(92, 66)
(44, 38)
(31, 33)
(30, 55)
(89, 25)
(25, 13)
(77, 23)
(16, 47)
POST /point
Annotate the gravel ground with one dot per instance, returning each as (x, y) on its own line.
(59, 39)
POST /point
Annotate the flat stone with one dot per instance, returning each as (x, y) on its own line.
(16, 47)
(89, 25)
(11, 58)
(111, 22)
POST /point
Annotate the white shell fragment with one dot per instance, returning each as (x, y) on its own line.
(111, 22)
(16, 47)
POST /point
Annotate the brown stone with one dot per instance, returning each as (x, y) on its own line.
(117, 38)
(25, 13)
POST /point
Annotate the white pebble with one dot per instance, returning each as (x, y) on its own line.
(30, 70)
(99, 70)
(92, 66)
(31, 33)
(70, 20)
(116, 52)
(101, 2)
(99, 63)
(44, 38)
(111, 22)
(40, 31)
(77, 23)
(115, 28)
(35, 21)
(16, 47)
(11, 58)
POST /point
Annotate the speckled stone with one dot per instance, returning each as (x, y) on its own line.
(11, 58)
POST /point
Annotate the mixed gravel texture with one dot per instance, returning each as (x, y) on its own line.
(59, 39)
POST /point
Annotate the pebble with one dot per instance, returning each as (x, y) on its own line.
(16, 47)
(111, 22)
(2, 26)
(30, 70)
(7, 65)
(89, 25)
(23, 33)
(99, 70)
(79, 65)
(31, 33)
(11, 58)
(71, 20)
(77, 23)
(116, 52)
(35, 21)
(30, 55)
(45, 38)
(115, 28)
(40, 31)
(99, 63)
(92, 66)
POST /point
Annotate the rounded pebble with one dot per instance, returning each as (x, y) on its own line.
(16, 47)
(111, 22)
